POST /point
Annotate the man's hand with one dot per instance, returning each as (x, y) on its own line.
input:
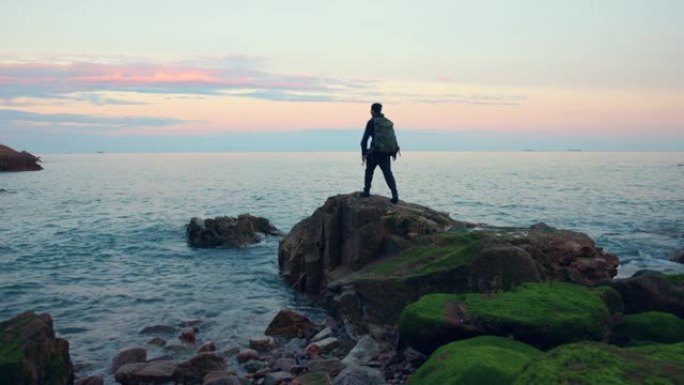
(363, 159)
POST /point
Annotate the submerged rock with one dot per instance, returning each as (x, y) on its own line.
(154, 372)
(228, 231)
(30, 354)
(128, 356)
(12, 160)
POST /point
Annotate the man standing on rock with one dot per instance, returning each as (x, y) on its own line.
(383, 146)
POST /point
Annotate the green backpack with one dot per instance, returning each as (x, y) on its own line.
(384, 140)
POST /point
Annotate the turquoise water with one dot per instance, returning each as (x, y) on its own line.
(98, 240)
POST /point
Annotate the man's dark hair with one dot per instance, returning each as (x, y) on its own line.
(376, 107)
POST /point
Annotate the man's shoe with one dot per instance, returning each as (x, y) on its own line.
(394, 200)
(365, 194)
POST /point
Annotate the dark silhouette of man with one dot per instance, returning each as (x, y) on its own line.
(383, 147)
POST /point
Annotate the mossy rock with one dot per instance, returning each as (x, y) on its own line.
(31, 355)
(540, 314)
(649, 327)
(591, 363)
(476, 361)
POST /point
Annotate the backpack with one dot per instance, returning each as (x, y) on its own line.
(384, 140)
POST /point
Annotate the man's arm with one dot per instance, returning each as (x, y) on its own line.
(366, 135)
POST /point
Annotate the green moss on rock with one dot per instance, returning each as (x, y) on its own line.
(444, 252)
(590, 363)
(665, 352)
(476, 361)
(541, 314)
(10, 359)
(649, 327)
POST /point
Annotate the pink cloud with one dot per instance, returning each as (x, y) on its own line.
(227, 75)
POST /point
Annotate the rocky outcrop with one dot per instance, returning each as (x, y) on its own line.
(30, 354)
(358, 252)
(12, 160)
(349, 232)
(228, 231)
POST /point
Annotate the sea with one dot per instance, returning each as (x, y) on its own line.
(98, 240)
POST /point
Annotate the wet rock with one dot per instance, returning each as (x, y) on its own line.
(143, 373)
(230, 379)
(332, 366)
(206, 347)
(188, 335)
(315, 378)
(157, 341)
(359, 375)
(12, 160)
(324, 346)
(30, 354)
(503, 268)
(278, 378)
(164, 330)
(92, 380)
(216, 374)
(262, 344)
(323, 334)
(177, 347)
(194, 369)
(247, 355)
(228, 231)
(128, 356)
(284, 364)
(363, 352)
(254, 366)
(289, 323)
(676, 256)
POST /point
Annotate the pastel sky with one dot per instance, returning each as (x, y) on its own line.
(212, 75)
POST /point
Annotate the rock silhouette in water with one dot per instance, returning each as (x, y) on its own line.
(12, 160)
(225, 231)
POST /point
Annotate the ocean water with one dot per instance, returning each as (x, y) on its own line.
(98, 240)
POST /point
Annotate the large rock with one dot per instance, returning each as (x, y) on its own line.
(153, 372)
(360, 252)
(228, 231)
(592, 363)
(128, 356)
(540, 314)
(289, 323)
(480, 360)
(347, 233)
(193, 370)
(359, 375)
(12, 160)
(663, 293)
(30, 354)
(649, 327)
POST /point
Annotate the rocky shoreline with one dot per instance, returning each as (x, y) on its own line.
(413, 297)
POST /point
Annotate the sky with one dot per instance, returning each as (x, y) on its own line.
(266, 75)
